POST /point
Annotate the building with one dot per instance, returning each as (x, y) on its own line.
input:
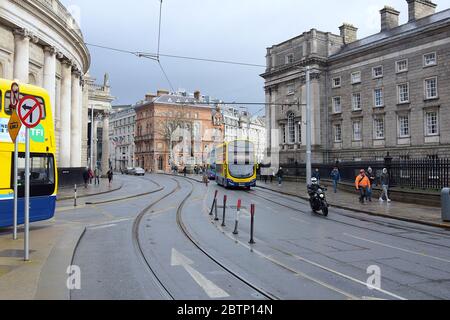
(240, 124)
(388, 92)
(175, 129)
(42, 44)
(121, 137)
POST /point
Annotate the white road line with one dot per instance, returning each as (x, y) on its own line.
(103, 227)
(397, 248)
(212, 290)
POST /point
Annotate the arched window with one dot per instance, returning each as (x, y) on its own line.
(291, 128)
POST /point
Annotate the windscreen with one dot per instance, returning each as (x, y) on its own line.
(241, 159)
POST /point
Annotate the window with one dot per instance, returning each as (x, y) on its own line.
(356, 77)
(403, 93)
(337, 82)
(299, 132)
(291, 128)
(357, 131)
(377, 72)
(379, 97)
(337, 107)
(290, 59)
(403, 125)
(431, 91)
(42, 174)
(356, 101)
(290, 89)
(338, 132)
(429, 59)
(39, 99)
(378, 126)
(432, 124)
(401, 66)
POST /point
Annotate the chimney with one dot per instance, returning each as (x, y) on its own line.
(197, 95)
(419, 9)
(389, 18)
(348, 33)
(162, 93)
(149, 97)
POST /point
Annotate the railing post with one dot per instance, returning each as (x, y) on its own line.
(214, 203)
(224, 210)
(238, 212)
(75, 197)
(252, 224)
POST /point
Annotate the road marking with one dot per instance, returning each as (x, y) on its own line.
(397, 248)
(208, 286)
(103, 227)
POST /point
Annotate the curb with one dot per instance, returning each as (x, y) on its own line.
(90, 195)
(432, 224)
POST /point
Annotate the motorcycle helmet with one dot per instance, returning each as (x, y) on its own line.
(314, 181)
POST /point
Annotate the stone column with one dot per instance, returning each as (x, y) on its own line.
(66, 100)
(105, 144)
(75, 141)
(50, 77)
(94, 145)
(21, 54)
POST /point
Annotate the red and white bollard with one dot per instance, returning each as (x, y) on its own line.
(252, 228)
(238, 212)
(214, 204)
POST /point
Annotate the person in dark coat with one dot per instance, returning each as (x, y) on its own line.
(110, 175)
(316, 174)
(86, 177)
(280, 175)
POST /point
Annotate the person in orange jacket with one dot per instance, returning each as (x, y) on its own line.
(362, 184)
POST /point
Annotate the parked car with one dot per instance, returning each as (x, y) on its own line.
(139, 172)
(129, 170)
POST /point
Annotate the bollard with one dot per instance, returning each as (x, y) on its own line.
(238, 212)
(445, 200)
(252, 229)
(215, 212)
(75, 197)
(213, 204)
(224, 210)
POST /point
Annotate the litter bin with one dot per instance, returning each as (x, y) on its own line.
(445, 200)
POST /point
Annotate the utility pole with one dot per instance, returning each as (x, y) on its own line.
(91, 164)
(308, 126)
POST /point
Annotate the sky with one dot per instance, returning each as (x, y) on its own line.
(235, 30)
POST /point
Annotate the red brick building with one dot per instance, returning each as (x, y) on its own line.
(175, 129)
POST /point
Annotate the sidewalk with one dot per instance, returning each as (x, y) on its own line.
(350, 201)
(91, 190)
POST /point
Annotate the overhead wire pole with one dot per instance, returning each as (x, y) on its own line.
(308, 126)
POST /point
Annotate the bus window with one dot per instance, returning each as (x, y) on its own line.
(1, 101)
(42, 174)
(8, 110)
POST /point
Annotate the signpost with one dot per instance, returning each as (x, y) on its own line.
(14, 126)
(30, 114)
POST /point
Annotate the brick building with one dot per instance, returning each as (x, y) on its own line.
(388, 92)
(175, 129)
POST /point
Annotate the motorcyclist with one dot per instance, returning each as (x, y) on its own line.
(314, 187)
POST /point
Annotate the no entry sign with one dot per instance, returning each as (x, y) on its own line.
(29, 111)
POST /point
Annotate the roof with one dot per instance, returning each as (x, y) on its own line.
(434, 20)
(177, 100)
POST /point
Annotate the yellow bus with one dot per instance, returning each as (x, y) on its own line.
(236, 164)
(43, 172)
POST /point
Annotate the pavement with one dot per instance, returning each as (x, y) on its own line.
(92, 189)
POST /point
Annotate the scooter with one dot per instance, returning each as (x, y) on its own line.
(319, 202)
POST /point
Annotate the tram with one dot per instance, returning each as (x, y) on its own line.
(236, 164)
(43, 171)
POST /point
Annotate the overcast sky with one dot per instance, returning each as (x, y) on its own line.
(237, 30)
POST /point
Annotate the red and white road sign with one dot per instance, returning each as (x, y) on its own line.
(14, 95)
(29, 111)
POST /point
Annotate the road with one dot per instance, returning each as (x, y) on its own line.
(155, 239)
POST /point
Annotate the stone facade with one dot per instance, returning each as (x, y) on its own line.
(121, 137)
(175, 129)
(386, 93)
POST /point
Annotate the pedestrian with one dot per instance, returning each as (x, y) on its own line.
(205, 178)
(86, 177)
(110, 176)
(185, 171)
(91, 176)
(362, 183)
(280, 175)
(272, 175)
(371, 177)
(336, 177)
(97, 176)
(316, 175)
(385, 181)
